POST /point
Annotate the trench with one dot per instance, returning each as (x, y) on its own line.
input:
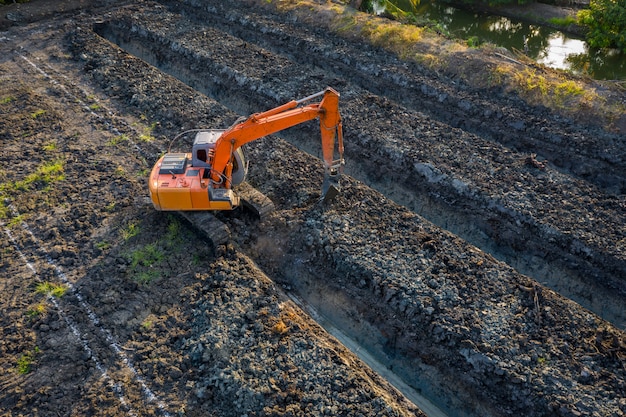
(565, 281)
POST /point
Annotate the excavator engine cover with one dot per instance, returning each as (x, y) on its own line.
(181, 181)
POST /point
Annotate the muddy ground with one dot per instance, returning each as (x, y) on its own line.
(475, 257)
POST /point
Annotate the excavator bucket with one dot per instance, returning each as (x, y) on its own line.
(330, 188)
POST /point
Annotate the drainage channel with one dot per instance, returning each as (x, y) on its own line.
(552, 273)
(426, 405)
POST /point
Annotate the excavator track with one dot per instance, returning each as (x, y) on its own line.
(208, 225)
(218, 232)
(255, 201)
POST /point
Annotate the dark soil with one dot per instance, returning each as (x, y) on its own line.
(476, 251)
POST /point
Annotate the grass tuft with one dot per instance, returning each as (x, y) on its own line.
(26, 360)
(51, 290)
(131, 230)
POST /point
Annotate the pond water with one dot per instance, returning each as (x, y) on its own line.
(545, 45)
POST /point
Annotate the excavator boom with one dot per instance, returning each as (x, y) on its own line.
(203, 180)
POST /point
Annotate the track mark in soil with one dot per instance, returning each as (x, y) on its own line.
(65, 87)
(95, 321)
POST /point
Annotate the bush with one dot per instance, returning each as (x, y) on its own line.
(606, 23)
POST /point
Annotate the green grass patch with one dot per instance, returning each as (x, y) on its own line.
(6, 100)
(147, 134)
(51, 290)
(41, 179)
(45, 175)
(26, 360)
(152, 261)
(37, 113)
(36, 311)
(473, 42)
(146, 263)
(551, 92)
(398, 38)
(50, 146)
(103, 245)
(118, 139)
(4, 210)
(16, 220)
(173, 236)
(131, 230)
(563, 21)
(147, 256)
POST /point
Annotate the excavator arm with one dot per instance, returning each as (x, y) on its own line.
(289, 114)
(203, 179)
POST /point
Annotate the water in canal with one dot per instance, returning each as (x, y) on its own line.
(545, 45)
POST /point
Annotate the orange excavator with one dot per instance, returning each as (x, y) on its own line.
(204, 178)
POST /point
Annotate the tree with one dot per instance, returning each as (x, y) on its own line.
(606, 23)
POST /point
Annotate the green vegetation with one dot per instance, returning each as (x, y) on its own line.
(144, 263)
(118, 139)
(16, 220)
(6, 100)
(37, 113)
(550, 91)
(4, 210)
(173, 235)
(397, 38)
(50, 146)
(473, 42)
(43, 176)
(38, 310)
(51, 290)
(606, 21)
(563, 21)
(26, 360)
(149, 261)
(103, 245)
(146, 135)
(41, 179)
(131, 230)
